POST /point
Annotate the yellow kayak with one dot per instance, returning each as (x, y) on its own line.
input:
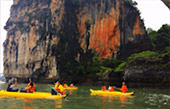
(100, 92)
(44, 95)
(71, 88)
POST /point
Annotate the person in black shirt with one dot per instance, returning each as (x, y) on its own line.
(11, 85)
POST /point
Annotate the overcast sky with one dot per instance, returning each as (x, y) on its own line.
(154, 13)
(4, 15)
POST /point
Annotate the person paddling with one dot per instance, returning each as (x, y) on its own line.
(124, 88)
(110, 89)
(71, 85)
(65, 85)
(103, 88)
(59, 87)
(30, 87)
(11, 85)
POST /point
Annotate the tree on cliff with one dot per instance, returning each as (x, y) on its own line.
(161, 38)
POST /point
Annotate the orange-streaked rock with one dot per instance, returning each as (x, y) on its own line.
(137, 28)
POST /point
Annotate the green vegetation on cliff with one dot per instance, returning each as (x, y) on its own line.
(121, 67)
(143, 54)
(161, 38)
(96, 68)
(101, 67)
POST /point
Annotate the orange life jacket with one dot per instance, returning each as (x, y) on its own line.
(71, 85)
(60, 89)
(111, 88)
(32, 89)
(103, 88)
(124, 88)
(65, 86)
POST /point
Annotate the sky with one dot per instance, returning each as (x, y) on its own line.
(154, 13)
(4, 15)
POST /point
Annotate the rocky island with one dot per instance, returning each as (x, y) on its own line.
(57, 39)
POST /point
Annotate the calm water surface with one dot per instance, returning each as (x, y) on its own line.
(81, 99)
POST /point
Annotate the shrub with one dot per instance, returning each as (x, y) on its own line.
(161, 38)
(143, 54)
(121, 67)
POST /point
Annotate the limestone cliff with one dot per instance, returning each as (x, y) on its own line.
(45, 37)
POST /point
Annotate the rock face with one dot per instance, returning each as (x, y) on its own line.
(46, 36)
(149, 72)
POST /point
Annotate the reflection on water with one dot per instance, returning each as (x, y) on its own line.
(58, 104)
(28, 103)
(123, 100)
(81, 99)
(70, 92)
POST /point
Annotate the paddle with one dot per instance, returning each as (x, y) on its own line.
(116, 88)
(57, 92)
